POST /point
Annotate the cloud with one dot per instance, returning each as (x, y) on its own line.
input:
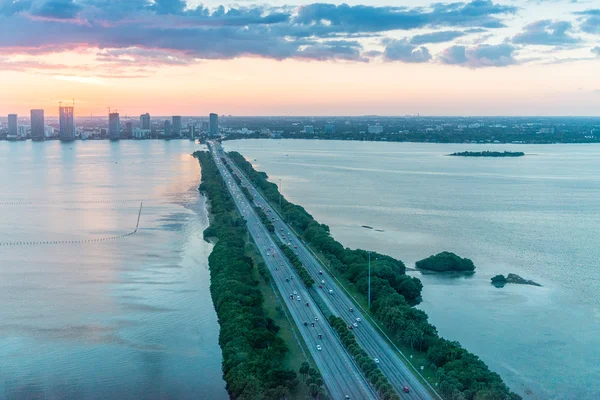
(479, 56)
(57, 9)
(361, 18)
(403, 50)
(436, 37)
(596, 50)
(332, 50)
(547, 33)
(590, 21)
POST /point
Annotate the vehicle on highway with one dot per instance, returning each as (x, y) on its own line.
(330, 291)
(287, 279)
(295, 293)
(376, 360)
(406, 389)
(312, 324)
(350, 327)
(320, 272)
(355, 325)
(351, 309)
(320, 336)
(316, 319)
(319, 347)
(305, 323)
(307, 304)
(323, 282)
(298, 298)
(357, 319)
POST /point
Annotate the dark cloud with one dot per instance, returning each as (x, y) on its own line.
(590, 21)
(57, 9)
(436, 37)
(403, 50)
(479, 56)
(12, 7)
(360, 18)
(171, 32)
(547, 33)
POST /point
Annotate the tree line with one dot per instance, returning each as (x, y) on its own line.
(297, 264)
(253, 354)
(461, 375)
(367, 364)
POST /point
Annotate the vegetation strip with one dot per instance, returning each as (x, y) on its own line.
(252, 352)
(459, 373)
(367, 365)
(297, 264)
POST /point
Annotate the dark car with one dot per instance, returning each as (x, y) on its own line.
(406, 390)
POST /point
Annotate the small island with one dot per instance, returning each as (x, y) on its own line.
(500, 280)
(488, 154)
(446, 262)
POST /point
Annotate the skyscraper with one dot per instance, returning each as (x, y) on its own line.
(66, 123)
(176, 126)
(167, 127)
(12, 125)
(37, 125)
(213, 120)
(114, 126)
(145, 121)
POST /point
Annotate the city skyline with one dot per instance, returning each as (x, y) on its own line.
(172, 57)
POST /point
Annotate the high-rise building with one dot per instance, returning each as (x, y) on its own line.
(37, 125)
(176, 125)
(308, 129)
(329, 129)
(145, 121)
(12, 125)
(114, 126)
(66, 121)
(167, 127)
(213, 121)
(128, 130)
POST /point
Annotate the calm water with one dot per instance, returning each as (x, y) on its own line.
(121, 319)
(537, 216)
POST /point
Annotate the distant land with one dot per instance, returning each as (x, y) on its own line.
(488, 154)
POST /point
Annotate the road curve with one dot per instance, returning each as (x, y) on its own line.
(340, 374)
(340, 303)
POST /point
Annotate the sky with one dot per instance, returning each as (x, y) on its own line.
(384, 57)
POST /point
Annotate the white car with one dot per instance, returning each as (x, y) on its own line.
(319, 347)
(355, 325)
(376, 360)
(298, 298)
(295, 293)
(357, 319)
(323, 282)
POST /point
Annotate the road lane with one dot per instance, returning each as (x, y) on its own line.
(340, 374)
(399, 374)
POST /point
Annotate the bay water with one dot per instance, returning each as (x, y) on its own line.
(87, 311)
(537, 216)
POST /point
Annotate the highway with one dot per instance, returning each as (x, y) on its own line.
(340, 374)
(340, 303)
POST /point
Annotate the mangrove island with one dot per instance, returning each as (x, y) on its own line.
(488, 154)
(446, 262)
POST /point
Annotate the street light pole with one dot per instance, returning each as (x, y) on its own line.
(369, 280)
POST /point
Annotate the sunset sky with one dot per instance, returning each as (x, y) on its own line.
(166, 57)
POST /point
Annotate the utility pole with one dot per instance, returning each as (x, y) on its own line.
(369, 280)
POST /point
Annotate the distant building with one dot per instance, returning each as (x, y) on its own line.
(213, 121)
(308, 129)
(176, 125)
(114, 126)
(49, 131)
(145, 121)
(22, 131)
(12, 126)
(375, 128)
(37, 124)
(128, 134)
(141, 133)
(66, 123)
(546, 130)
(329, 129)
(167, 127)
